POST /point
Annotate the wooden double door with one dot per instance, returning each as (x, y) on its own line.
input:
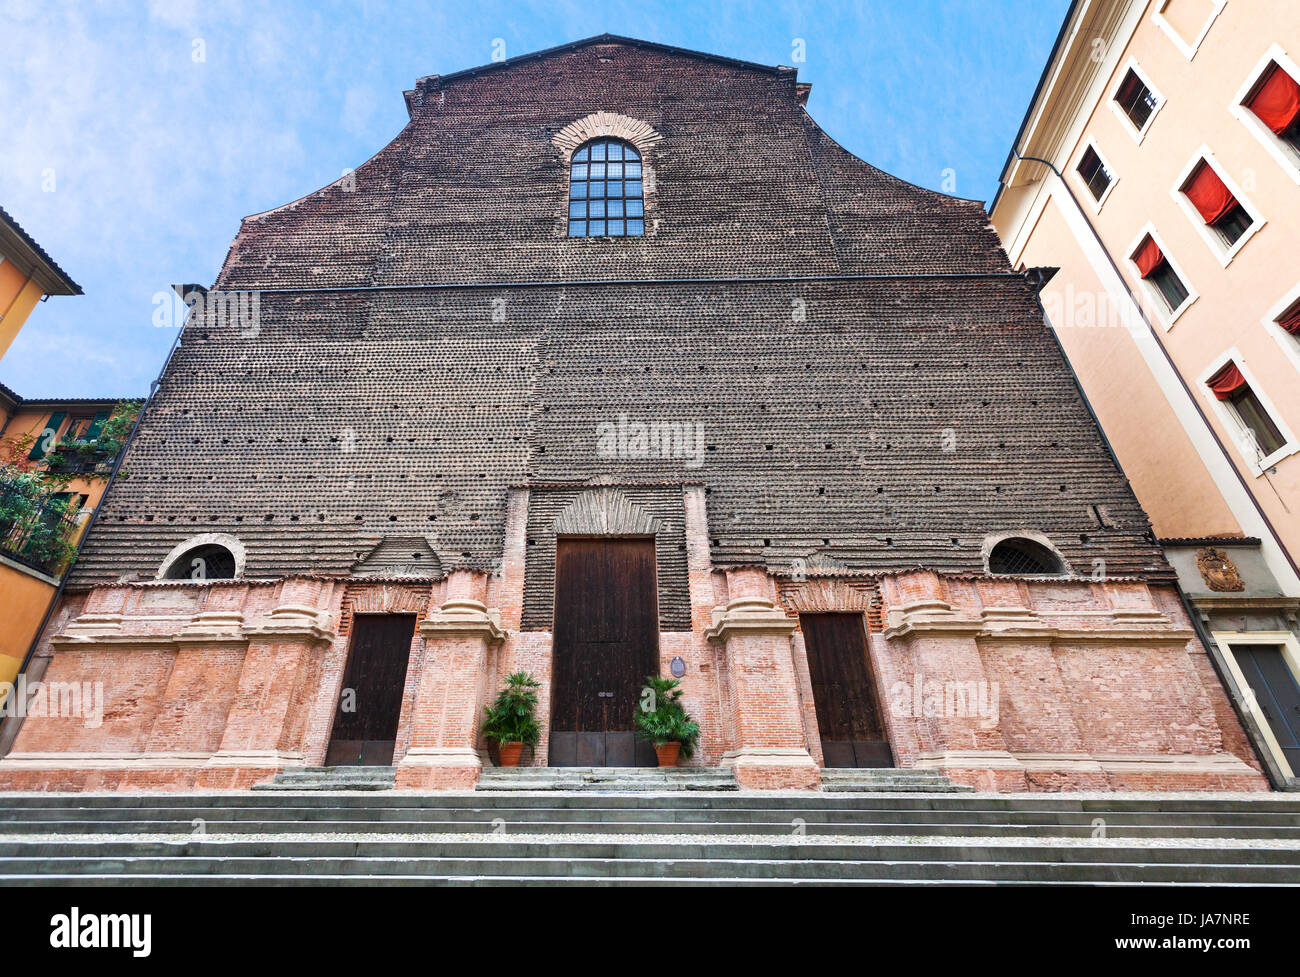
(606, 642)
(844, 691)
(370, 702)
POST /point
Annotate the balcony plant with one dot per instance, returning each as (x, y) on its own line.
(510, 721)
(36, 525)
(662, 719)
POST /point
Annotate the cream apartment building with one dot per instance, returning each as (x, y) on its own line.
(1155, 182)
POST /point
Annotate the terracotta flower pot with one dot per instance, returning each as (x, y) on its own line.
(510, 753)
(667, 753)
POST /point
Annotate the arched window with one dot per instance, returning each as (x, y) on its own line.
(210, 561)
(605, 190)
(1023, 557)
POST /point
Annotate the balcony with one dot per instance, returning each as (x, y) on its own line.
(38, 529)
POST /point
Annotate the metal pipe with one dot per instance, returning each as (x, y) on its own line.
(1168, 359)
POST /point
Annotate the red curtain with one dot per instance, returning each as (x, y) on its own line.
(1148, 257)
(1277, 101)
(1290, 320)
(1227, 381)
(1208, 194)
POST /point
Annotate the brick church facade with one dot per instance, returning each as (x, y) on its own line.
(613, 361)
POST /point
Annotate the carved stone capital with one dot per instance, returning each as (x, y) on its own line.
(749, 615)
(923, 616)
(301, 621)
(462, 617)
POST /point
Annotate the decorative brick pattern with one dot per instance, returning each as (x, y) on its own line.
(875, 395)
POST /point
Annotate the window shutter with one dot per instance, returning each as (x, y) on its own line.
(96, 423)
(1208, 194)
(1227, 381)
(1149, 257)
(1277, 101)
(45, 438)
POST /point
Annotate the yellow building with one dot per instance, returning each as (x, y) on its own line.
(1155, 185)
(62, 442)
(27, 275)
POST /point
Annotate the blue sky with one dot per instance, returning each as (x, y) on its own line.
(138, 134)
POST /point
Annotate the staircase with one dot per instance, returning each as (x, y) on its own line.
(681, 837)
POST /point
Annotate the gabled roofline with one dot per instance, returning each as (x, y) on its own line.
(431, 81)
(39, 265)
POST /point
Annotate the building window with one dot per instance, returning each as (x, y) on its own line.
(207, 562)
(1186, 22)
(1275, 101)
(207, 556)
(1021, 556)
(1263, 438)
(1289, 321)
(1136, 100)
(605, 198)
(1095, 174)
(1267, 103)
(1154, 267)
(1216, 204)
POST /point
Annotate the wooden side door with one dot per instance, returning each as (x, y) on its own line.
(370, 704)
(844, 691)
(1276, 692)
(606, 643)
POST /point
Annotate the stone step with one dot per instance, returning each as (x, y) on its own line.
(610, 779)
(293, 810)
(550, 882)
(873, 779)
(672, 868)
(199, 851)
(332, 778)
(779, 828)
(1282, 804)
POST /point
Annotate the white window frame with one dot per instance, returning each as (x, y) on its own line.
(1187, 49)
(1221, 250)
(1155, 300)
(1239, 432)
(1226, 640)
(1290, 344)
(1287, 157)
(1137, 134)
(1097, 202)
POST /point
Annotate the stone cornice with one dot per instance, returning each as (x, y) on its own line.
(1119, 625)
(205, 629)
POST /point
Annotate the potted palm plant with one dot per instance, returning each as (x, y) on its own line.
(510, 722)
(663, 720)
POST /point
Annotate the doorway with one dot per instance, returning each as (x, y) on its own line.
(370, 702)
(606, 643)
(1277, 694)
(844, 691)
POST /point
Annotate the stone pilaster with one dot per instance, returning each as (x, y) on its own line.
(445, 715)
(267, 718)
(771, 751)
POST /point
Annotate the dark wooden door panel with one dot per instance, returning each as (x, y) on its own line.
(844, 691)
(1276, 692)
(606, 643)
(376, 672)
